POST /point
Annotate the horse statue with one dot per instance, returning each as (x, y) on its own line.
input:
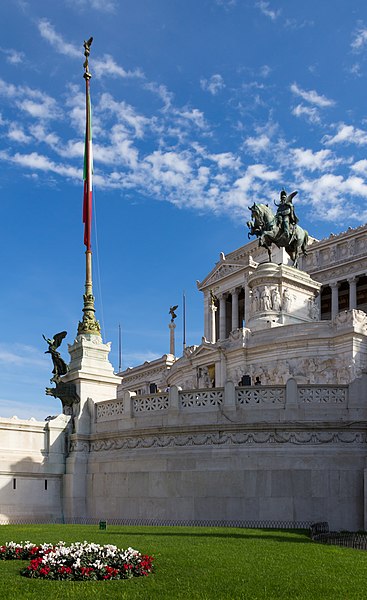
(280, 229)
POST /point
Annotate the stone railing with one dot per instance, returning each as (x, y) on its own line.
(150, 403)
(174, 401)
(253, 396)
(201, 398)
(107, 411)
(323, 394)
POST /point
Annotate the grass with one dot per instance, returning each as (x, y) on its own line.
(199, 563)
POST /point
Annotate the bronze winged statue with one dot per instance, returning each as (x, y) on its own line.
(172, 312)
(60, 366)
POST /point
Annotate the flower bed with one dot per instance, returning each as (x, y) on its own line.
(79, 561)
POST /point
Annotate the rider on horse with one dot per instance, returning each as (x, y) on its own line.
(281, 229)
(286, 217)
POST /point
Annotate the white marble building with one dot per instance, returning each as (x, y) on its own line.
(242, 301)
(264, 420)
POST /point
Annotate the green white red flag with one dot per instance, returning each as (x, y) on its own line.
(87, 174)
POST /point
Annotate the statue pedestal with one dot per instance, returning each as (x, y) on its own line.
(172, 328)
(92, 374)
(281, 295)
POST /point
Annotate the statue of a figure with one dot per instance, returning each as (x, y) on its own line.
(213, 298)
(286, 216)
(287, 300)
(172, 312)
(67, 393)
(256, 299)
(60, 366)
(281, 229)
(275, 298)
(265, 299)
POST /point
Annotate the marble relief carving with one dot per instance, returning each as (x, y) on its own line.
(223, 438)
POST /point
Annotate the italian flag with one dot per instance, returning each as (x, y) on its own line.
(87, 175)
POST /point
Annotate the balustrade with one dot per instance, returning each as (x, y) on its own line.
(153, 402)
(214, 398)
(260, 395)
(201, 398)
(323, 395)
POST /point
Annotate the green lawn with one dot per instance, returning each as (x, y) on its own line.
(199, 563)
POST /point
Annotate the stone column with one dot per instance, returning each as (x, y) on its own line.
(352, 292)
(213, 333)
(222, 317)
(334, 299)
(207, 316)
(234, 294)
(247, 303)
(172, 328)
(318, 303)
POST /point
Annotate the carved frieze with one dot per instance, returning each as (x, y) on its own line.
(231, 438)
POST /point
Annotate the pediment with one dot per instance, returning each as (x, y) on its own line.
(205, 349)
(220, 271)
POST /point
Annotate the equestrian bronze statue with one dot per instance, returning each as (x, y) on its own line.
(281, 229)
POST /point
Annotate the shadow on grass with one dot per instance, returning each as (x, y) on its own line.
(279, 536)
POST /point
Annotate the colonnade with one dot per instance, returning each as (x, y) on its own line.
(225, 313)
(229, 310)
(346, 294)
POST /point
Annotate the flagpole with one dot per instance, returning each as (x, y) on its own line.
(88, 324)
(184, 320)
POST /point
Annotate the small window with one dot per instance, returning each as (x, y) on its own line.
(14, 484)
(45, 485)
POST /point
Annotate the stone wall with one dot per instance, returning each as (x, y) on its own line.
(32, 465)
(291, 453)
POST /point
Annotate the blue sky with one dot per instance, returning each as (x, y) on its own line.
(199, 108)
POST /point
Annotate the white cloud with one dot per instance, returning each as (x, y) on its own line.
(356, 70)
(258, 143)
(226, 160)
(213, 85)
(257, 171)
(100, 5)
(192, 115)
(329, 195)
(311, 96)
(360, 166)
(42, 136)
(267, 11)
(313, 161)
(37, 110)
(162, 92)
(48, 33)
(265, 71)
(35, 103)
(14, 57)
(226, 3)
(107, 66)
(359, 39)
(21, 354)
(40, 162)
(347, 134)
(169, 167)
(17, 134)
(125, 114)
(311, 113)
